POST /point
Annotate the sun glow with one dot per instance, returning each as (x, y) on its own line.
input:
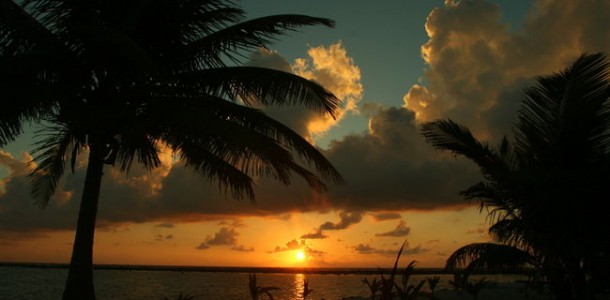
(299, 255)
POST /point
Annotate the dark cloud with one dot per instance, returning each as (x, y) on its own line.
(401, 230)
(392, 168)
(226, 236)
(346, 220)
(384, 216)
(318, 234)
(367, 249)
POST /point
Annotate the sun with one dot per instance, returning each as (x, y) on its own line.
(300, 255)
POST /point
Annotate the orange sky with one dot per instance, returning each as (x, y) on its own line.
(269, 241)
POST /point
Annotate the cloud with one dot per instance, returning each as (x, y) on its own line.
(392, 168)
(226, 236)
(318, 234)
(367, 249)
(332, 68)
(296, 245)
(384, 216)
(477, 65)
(401, 230)
(291, 245)
(346, 220)
(411, 181)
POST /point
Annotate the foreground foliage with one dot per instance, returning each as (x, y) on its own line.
(543, 187)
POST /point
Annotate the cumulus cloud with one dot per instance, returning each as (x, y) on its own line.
(401, 230)
(477, 65)
(332, 68)
(392, 168)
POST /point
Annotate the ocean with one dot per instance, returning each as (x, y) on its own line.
(45, 283)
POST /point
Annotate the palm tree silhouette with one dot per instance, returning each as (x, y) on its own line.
(117, 79)
(542, 189)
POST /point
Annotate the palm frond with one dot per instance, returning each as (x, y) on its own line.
(51, 155)
(264, 86)
(216, 168)
(213, 117)
(493, 196)
(488, 256)
(141, 146)
(450, 136)
(510, 231)
(567, 111)
(20, 32)
(232, 41)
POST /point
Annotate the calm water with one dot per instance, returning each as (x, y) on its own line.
(21, 283)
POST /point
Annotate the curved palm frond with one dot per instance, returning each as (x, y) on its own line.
(180, 111)
(142, 146)
(450, 136)
(567, 111)
(494, 197)
(50, 156)
(264, 86)
(489, 256)
(214, 167)
(230, 42)
(245, 138)
(510, 231)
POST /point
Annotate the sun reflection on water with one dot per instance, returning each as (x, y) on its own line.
(299, 279)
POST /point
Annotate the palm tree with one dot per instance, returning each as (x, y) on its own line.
(543, 188)
(118, 79)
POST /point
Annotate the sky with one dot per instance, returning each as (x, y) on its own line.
(394, 64)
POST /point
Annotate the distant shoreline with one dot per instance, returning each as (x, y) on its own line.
(268, 270)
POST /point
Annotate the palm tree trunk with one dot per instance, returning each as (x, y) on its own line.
(79, 285)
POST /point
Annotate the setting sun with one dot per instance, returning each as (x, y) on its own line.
(300, 255)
